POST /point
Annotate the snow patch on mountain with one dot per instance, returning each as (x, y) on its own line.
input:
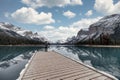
(102, 29)
(25, 33)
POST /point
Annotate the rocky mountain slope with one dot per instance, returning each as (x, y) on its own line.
(106, 31)
(12, 35)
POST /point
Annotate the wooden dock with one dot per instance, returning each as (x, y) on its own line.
(54, 66)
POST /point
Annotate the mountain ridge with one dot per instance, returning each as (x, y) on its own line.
(12, 35)
(105, 31)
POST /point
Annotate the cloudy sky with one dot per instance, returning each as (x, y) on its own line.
(56, 19)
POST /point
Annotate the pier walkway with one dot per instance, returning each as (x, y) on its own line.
(54, 66)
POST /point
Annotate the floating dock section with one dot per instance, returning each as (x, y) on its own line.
(54, 66)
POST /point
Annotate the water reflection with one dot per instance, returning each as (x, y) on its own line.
(105, 59)
(13, 60)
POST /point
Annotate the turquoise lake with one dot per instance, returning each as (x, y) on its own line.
(14, 58)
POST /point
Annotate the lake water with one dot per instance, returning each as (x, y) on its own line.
(13, 59)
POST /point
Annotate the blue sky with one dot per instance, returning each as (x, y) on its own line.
(56, 19)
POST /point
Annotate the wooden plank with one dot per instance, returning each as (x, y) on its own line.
(53, 66)
(89, 77)
(69, 76)
(55, 75)
(47, 74)
(100, 78)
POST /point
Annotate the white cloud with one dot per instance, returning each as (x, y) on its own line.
(84, 23)
(49, 27)
(76, 2)
(69, 14)
(107, 6)
(31, 16)
(51, 3)
(89, 13)
(63, 32)
(59, 33)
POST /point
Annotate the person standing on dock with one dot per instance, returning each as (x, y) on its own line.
(46, 46)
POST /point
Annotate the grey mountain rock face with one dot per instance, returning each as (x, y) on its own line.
(12, 35)
(106, 31)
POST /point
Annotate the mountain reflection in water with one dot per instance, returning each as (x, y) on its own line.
(13, 60)
(105, 59)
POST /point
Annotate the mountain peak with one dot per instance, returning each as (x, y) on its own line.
(11, 32)
(103, 32)
(111, 16)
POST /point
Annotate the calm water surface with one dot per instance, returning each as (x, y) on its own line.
(105, 59)
(13, 59)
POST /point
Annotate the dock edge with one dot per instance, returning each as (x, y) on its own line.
(99, 71)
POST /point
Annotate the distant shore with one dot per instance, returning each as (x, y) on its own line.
(24, 45)
(117, 46)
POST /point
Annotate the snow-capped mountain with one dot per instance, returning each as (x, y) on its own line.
(10, 32)
(105, 31)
